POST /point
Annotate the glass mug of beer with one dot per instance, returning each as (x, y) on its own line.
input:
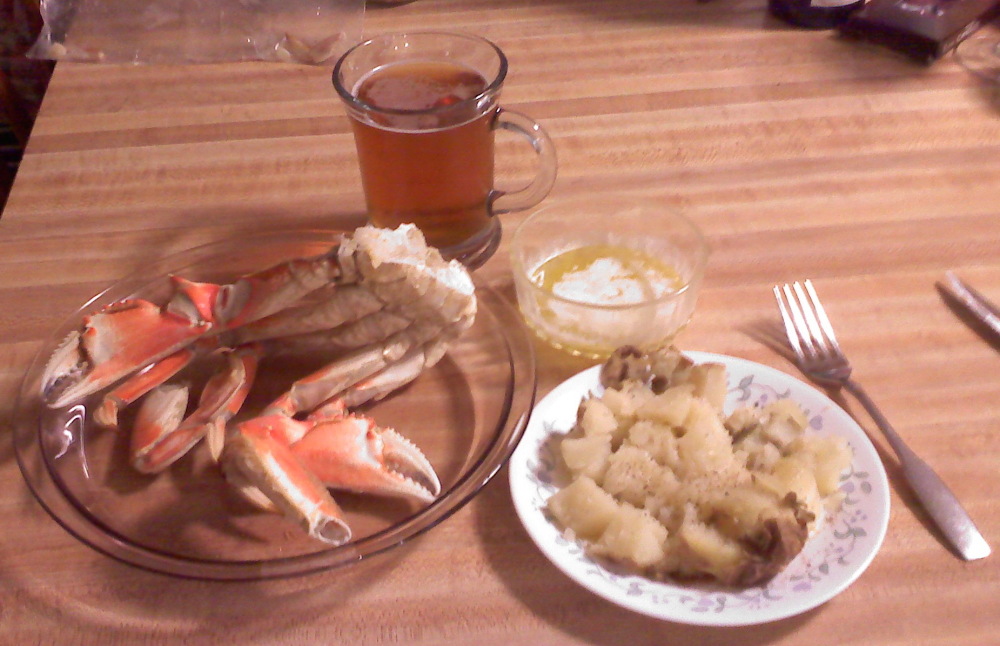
(424, 110)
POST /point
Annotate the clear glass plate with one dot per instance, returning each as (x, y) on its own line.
(832, 559)
(467, 414)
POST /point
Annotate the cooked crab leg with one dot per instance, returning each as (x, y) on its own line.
(388, 380)
(230, 391)
(333, 307)
(263, 293)
(257, 458)
(364, 375)
(162, 434)
(290, 463)
(344, 451)
(353, 453)
(154, 434)
(112, 344)
(126, 336)
(135, 387)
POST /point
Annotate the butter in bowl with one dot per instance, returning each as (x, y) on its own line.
(593, 274)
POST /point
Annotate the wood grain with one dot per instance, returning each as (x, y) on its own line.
(800, 154)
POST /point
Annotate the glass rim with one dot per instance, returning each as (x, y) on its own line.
(520, 269)
(492, 87)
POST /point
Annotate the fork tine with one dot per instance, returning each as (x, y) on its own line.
(819, 342)
(804, 334)
(786, 317)
(823, 320)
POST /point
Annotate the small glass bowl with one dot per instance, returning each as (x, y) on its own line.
(641, 292)
(473, 406)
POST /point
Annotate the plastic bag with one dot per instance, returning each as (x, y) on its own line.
(314, 32)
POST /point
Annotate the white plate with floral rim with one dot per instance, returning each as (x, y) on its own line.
(831, 560)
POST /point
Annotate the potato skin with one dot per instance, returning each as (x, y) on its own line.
(627, 363)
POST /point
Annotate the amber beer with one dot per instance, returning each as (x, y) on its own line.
(424, 109)
(426, 154)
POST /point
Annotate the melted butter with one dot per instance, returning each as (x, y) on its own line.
(607, 275)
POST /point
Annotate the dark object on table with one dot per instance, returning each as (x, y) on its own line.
(923, 29)
(815, 14)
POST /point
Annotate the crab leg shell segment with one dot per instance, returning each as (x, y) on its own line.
(392, 378)
(333, 307)
(363, 333)
(106, 414)
(311, 391)
(112, 344)
(155, 436)
(255, 458)
(162, 435)
(261, 294)
(196, 301)
(353, 453)
(351, 376)
(224, 395)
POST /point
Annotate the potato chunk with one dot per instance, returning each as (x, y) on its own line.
(671, 407)
(584, 508)
(827, 457)
(705, 447)
(634, 536)
(596, 418)
(631, 475)
(587, 455)
(625, 402)
(655, 439)
(709, 380)
(793, 475)
(714, 553)
(788, 411)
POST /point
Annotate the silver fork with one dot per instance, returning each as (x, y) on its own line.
(819, 356)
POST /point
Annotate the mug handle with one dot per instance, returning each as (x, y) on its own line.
(534, 192)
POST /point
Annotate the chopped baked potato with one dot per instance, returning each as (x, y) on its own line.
(664, 481)
(584, 508)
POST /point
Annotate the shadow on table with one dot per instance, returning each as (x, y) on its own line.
(87, 593)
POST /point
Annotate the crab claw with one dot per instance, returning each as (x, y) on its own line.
(256, 459)
(113, 344)
(352, 453)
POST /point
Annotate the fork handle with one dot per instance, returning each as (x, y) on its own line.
(942, 505)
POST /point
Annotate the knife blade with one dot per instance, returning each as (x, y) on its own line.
(975, 303)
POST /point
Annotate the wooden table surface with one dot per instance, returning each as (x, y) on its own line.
(798, 153)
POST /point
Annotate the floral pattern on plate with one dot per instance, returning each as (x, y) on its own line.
(831, 560)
